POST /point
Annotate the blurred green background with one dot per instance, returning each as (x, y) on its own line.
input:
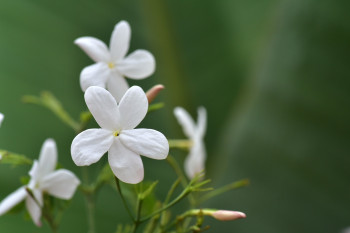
(273, 75)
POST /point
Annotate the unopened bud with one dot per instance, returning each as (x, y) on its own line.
(153, 92)
(227, 215)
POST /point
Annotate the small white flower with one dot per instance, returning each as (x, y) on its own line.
(195, 161)
(111, 64)
(117, 134)
(60, 183)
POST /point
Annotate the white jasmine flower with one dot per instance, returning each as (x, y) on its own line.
(60, 183)
(111, 64)
(117, 134)
(195, 161)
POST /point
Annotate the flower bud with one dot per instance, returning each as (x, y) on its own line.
(227, 215)
(153, 92)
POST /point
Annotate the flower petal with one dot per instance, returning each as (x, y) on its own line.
(33, 208)
(1, 118)
(195, 161)
(119, 44)
(61, 183)
(117, 86)
(201, 121)
(103, 107)
(125, 164)
(133, 107)
(147, 142)
(47, 158)
(90, 145)
(94, 48)
(95, 75)
(185, 120)
(12, 200)
(137, 65)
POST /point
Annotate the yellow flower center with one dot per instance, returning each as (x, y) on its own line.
(111, 65)
(116, 133)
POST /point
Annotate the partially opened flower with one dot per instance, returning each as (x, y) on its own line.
(43, 179)
(117, 134)
(111, 64)
(195, 161)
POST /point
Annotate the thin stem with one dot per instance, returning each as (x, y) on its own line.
(138, 214)
(173, 163)
(123, 199)
(89, 202)
(221, 190)
(184, 193)
(180, 143)
(49, 101)
(90, 205)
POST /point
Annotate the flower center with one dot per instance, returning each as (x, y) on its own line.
(111, 65)
(116, 133)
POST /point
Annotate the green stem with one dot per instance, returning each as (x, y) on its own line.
(174, 164)
(138, 214)
(184, 193)
(180, 143)
(123, 199)
(216, 192)
(49, 101)
(89, 202)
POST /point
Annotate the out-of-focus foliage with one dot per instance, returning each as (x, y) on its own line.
(273, 75)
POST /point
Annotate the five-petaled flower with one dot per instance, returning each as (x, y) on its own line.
(111, 64)
(117, 134)
(195, 161)
(60, 183)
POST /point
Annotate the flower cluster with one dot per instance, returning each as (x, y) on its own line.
(118, 109)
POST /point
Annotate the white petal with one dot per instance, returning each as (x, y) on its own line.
(125, 164)
(33, 207)
(185, 120)
(12, 200)
(47, 159)
(94, 48)
(61, 183)
(147, 142)
(89, 146)
(34, 171)
(1, 118)
(195, 161)
(95, 75)
(137, 65)
(117, 86)
(103, 107)
(202, 121)
(133, 107)
(119, 44)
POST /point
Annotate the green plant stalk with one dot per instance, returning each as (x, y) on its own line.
(123, 199)
(180, 143)
(182, 195)
(49, 101)
(138, 213)
(219, 191)
(13, 158)
(173, 163)
(89, 195)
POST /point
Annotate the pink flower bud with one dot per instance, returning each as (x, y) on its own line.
(228, 215)
(153, 92)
